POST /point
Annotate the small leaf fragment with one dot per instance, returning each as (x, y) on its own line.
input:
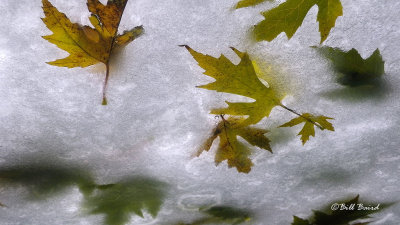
(230, 148)
(247, 3)
(353, 70)
(288, 17)
(309, 121)
(238, 79)
(300, 221)
(222, 215)
(128, 36)
(329, 11)
(229, 214)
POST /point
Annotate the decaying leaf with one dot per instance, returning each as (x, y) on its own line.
(87, 45)
(222, 215)
(288, 17)
(247, 3)
(230, 148)
(353, 70)
(309, 121)
(118, 201)
(346, 211)
(238, 79)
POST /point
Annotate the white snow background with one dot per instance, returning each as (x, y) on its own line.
(156, 117)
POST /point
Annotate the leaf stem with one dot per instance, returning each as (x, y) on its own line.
(105, 84)
(300, 115)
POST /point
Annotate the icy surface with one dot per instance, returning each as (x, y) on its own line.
(156, 118)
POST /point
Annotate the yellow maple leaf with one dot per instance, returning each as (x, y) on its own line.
(86, 45)
(238, 79)
(309, 121)
(230, 148)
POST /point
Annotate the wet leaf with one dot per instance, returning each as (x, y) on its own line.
(238, 79)
(44, 179)
(288, 17)
(118, 201)
(309, 121)
(230, 148)
(353, 70)
(87, 45)
(247, 3)
(343, 216)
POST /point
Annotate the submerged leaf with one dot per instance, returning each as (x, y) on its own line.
(45, 179)
(222, 215)
(247, 3)
(87, 45)
(238, 79)
(309, 121)
(288, 17)
(352, 68)
(230, 148)
(118, 201)
(344, 213)
(229, 214)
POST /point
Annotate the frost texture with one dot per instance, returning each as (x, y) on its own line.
(158, 117)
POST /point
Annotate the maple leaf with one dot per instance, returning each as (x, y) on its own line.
(342, 217)
(86, 45)
(247, 3)
(238, 79)
(309, 121)
(288, 17)
(118, 201)
(230, 148)
(352, 68)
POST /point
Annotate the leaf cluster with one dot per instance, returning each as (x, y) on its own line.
(242, 79)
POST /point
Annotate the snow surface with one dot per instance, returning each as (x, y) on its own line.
(156, 117)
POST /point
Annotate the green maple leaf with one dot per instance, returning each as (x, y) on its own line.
(238, 79)
(247, 3)
(118, 201)
(352, 68)
(309, 121)
(341, 217)
(230, 148)
(288, 17)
